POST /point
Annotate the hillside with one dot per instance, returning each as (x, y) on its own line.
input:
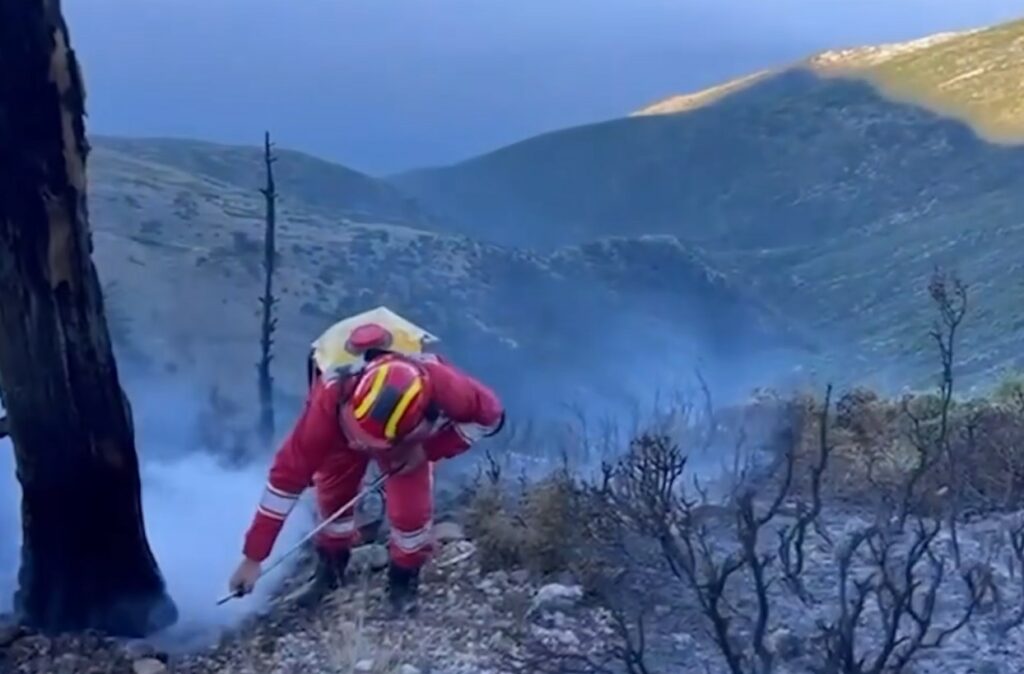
(180, 254)
(810, 157)
(972, 75)
(975, 76)
(309, 182)
(831, 198)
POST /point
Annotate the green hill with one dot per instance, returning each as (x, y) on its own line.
(182, 252)
(832, 188)
(976, 75)
(315, 184)
(790, 159)
(973, 75)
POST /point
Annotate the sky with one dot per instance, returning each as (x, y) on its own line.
(388, 85)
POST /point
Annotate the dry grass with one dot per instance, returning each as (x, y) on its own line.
(977, 76)
(535, 529)
(878, 443)
(337, 642)
(698, 99)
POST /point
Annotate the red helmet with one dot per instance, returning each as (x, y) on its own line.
(389, 402)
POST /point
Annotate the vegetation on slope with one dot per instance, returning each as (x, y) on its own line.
(974, 75)
(977, 76)
(791, 160)
(308, 182)
(184, 252)
(843, 533)
(698, 99)
(830, 199)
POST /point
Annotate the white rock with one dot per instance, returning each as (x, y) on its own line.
(783, 644)
(685, 641)
(139, 649)
(369, 558)
(364, 666)
(567, 637)
(149, 666)
(408, 669)
(448, 532)
(520, 576)
(556, 596)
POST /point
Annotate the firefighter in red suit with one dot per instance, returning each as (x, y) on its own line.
(403, 411)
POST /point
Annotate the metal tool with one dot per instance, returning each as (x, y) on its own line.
(368, 489)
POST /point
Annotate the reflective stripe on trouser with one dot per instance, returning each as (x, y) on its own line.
(410, 506)
(410, 509)
(336, 483)
(412, 541)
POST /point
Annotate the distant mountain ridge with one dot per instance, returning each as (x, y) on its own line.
(790, 208)
(832, 188)
(318, 185)
(179, 243)
(794, 148)
(973, 75)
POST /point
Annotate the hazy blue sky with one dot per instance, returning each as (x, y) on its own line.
(384, 85)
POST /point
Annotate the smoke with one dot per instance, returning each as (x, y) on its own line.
(197, 509)
(10, 526)
(196, 512)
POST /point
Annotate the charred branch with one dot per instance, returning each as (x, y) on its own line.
(267, 301)
(793, 539)
(903, 585)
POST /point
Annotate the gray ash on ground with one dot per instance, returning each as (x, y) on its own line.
(512, 622)
(468, 622)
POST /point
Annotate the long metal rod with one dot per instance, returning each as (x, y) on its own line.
(370, 488)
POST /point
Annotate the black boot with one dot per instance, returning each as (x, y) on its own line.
(403, 585)
(328, 576)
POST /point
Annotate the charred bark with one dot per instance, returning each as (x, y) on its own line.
(85, 561)
(266, 382)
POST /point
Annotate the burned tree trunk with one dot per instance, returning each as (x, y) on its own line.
(85, 559)
(266, 382)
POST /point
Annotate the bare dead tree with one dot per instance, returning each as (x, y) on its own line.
(267, 301)
(903, 583)
(931, 437)
(644, 492)
(493, 470)
(949, 294)
(793, 539)
(85, 558)
(648, 490)
(1015, 533)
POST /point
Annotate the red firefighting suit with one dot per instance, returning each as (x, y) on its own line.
(463, 411)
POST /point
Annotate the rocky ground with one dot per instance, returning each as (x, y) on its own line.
(468, 622)
(509, 622)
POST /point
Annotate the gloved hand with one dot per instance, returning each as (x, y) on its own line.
(243, 580)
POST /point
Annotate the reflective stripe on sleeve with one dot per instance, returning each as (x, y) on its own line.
(276, 503)
(474, 432)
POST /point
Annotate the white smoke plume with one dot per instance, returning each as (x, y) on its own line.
(196, 512)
